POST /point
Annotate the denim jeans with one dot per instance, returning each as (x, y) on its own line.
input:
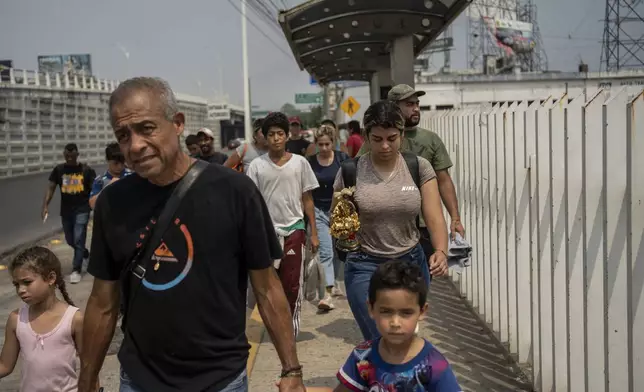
(358, 269)
(239, 384)
(75, 228)
(328, 259)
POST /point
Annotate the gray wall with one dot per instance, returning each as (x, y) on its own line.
(36, 122)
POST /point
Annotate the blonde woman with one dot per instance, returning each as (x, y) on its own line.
(338, 144)
(326, 164)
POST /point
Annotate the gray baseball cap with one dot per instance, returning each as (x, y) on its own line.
(401, 92)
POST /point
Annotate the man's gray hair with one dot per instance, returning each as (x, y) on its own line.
(157, 86)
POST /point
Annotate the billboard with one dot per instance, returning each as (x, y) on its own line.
(71, 64)
(4, 69)
(512, 35)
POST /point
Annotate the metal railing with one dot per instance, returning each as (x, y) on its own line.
(552, 195)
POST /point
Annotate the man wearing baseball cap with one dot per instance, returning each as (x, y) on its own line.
(428, 145)
(206, 142)
(296, 144)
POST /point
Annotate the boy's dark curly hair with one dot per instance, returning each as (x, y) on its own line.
(275, 120)
(397, 274)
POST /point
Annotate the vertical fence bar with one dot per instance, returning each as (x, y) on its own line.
(636, 240)
(477, 244)
(468, 202)
(480, 132)
(494, 122)
(575, 244)
(558, 235)
(616, 231)
(544, 244)
(510, 221)
(521, 210)
(501, 222)
(533, 216)
(594, 245)
(485, 179)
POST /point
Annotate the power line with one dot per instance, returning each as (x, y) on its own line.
(571, 38)
(265, 16)
(260, 30)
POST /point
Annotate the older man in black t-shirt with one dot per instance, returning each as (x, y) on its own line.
(185, 326)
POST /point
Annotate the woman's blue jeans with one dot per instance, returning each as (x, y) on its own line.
(358, 269)
(329, 261)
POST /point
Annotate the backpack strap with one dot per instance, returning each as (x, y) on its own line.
(411, 160)
(349, 169)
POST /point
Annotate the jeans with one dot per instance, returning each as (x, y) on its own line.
(358, 269)
(75, 228)
(239, 384)
(328, 259)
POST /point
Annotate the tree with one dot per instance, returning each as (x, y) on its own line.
(310, 118)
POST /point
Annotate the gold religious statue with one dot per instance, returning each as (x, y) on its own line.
(344, 220)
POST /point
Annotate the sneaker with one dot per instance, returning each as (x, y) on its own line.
(75, 277)
(336, 291)
(326, 303)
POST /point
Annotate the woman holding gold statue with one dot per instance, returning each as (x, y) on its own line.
(374, 216)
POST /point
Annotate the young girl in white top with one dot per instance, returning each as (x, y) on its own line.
(46, 331)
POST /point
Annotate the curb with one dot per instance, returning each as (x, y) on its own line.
(254, 333)
(15, 249)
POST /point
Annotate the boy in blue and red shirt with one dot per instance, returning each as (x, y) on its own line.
(397, 299)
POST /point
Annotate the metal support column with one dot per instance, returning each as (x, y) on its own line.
(402, 60)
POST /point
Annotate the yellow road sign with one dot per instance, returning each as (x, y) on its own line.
(350, 106)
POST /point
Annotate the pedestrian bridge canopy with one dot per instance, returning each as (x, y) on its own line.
(353, 39)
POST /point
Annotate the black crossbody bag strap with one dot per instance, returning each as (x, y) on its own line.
(133, 274)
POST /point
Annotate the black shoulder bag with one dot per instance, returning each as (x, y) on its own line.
(133, 273)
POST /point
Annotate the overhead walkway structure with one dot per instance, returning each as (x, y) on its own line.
(365, 40)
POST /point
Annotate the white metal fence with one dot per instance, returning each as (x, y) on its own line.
(40, 113)
(552, 195)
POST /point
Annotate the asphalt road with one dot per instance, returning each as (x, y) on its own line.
(20, 203)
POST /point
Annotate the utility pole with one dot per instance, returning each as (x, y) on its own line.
(623, 42)
(248, 132)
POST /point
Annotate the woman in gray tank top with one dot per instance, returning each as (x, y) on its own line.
(389, 198)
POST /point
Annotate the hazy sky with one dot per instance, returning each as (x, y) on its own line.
(192, 42)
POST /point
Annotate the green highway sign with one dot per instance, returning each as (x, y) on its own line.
(310, 98)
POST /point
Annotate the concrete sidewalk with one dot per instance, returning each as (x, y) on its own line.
(327, 339)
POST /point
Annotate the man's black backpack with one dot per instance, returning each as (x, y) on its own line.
(349, 176)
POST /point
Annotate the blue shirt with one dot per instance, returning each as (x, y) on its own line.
(101, 182)
(323, 196)
(365, 370)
